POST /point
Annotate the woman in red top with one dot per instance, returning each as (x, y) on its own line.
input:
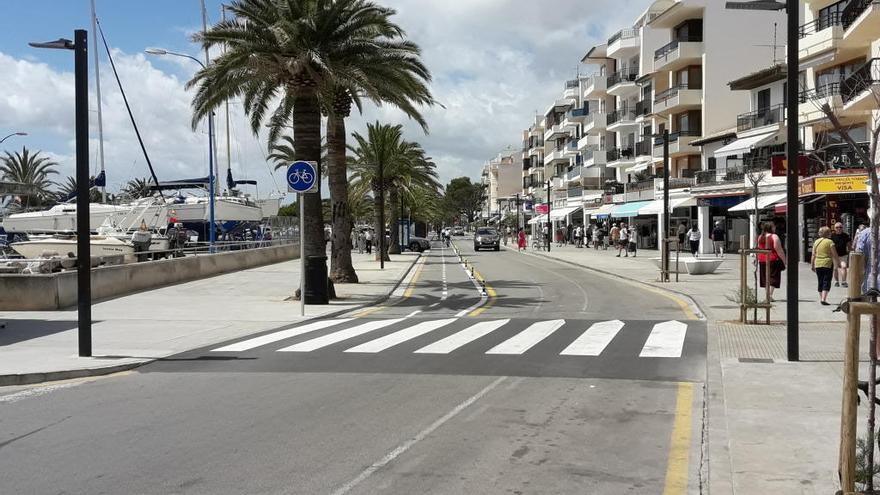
(769, 240)
(521, 240)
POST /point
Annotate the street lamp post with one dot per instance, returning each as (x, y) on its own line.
(79, 45)
(549, 225)
(211, 179)
(13, 134)
(792, 151)
(664, 232)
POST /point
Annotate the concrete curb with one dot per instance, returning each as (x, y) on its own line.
(51, 376)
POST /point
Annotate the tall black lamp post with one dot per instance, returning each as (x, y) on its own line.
(792, 151)
(549, 225)
(79, 45)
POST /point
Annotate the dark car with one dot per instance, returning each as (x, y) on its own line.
(486, 238)
(418, 244)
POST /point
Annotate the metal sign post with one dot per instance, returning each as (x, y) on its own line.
(302, 179)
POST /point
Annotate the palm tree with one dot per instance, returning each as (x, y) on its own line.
(138, 188)
(67, 190)
(283, 153)
(292, 52)
(404, 170)
(32, 170)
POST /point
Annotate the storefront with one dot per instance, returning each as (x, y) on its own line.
(828, 199)
(646, 225)
(735, 223)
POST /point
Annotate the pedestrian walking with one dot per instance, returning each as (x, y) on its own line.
(633, 240)
(842, 244)
(545, 235)
(579, 236)
(823, 262)
(368, 241)
(770, 265)
(694, 238)
(614, 236)
(682, 233)
(359, 241)
(595, 237)
(719, 238)
(521, 240)
(623, 240)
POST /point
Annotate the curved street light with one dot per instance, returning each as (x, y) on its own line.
(13, 134)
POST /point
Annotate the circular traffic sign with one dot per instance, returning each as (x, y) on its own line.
(302, 177)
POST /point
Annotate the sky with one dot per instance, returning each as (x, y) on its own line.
(494, 63)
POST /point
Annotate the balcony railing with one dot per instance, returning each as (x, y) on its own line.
(824, 91)
(572, 83)
(587, 155)
(823, 22)
(615, 154)
(860, 80)
(665, 50)
(673, 136)
(727, 175)
(621, 115)
(853, 10)
(575, 192)
(643, 147)
(644, 107)
(641, 185)
(579, 112)
(670, 93)
(628, 74)
(760, 117)
(623, 34)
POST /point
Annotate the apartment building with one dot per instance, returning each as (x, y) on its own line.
(502, 177)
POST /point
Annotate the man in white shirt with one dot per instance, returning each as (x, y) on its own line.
(624, 241)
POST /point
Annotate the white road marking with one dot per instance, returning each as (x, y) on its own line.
(528, 338)
(413, 313)
(434, 305)
(666, 340)
(458, 339)
(35, 392)
(401, 289)
(335, 337)
(280, 335)
(445, 293)
(400, 336)
(394, 454)
(593, 341)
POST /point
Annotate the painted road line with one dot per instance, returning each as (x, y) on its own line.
(666, 340)
(528, 338)
(469, 334)
(249, 344)
(400, 336)
(593, 341)
(412, 283)
(487, 301)
(335, 337)
(400, 293)
(445, 293)
(680, 444)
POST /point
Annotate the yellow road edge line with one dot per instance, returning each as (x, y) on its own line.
(680, 445)
(490, 292)
(412, 283)
(406, 294)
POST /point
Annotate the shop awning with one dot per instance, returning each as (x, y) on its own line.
(560, 213)
(538, 219)
(592, 197)
(764, 201)
(638, 167)
(602, 211)
(627, 210)
(744, 145)
(656, 207)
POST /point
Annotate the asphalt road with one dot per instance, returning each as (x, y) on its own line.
(551, 380)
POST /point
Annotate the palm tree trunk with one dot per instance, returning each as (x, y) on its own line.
(394, 220)
(307, 135)
(379, 228)
(341, 268)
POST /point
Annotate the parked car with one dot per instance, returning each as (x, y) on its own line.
(486, 237)
(418, 244)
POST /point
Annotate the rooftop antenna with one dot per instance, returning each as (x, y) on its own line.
(774, 46)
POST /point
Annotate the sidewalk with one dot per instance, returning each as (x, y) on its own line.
(771, 426)
(135, 329)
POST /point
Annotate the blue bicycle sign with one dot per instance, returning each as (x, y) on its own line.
(302, 177)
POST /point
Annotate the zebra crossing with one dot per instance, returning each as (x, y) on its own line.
(582, 338)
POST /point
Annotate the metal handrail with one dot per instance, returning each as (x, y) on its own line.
(623, 34)
(670, 93)
(860, 80)
(621, 114)
(670, 47)
(824, 91)
(819, 24)
(760, 117)
(853, 10)
(628, 74)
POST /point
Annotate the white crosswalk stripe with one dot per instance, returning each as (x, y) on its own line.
(528, 338)
(401, 336)
(335, 337)
(666, 340)
(456, 340)
(262, 340)
(594, 340)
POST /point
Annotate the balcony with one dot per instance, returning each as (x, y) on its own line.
(774, 115)
(679, 144)
(572, 89)
(575, 192)
(677, 99)
(858, 90)
(571, 149)
(595, 122)
(644, 148)
(595, 86)
(811, 102)
(556, 132)
(577, 114)
(721, 176)
(623, 82)
(861, 22)
(679, 53)
(587, 142)
(621, 117)
(622, 43)
(556, 156)
(674, 183)
(573, 174)
(592, 158)
(644, 108)
(621, 157)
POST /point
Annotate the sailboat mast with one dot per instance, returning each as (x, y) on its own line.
(98, 91)
(212, 137)
(228, 145)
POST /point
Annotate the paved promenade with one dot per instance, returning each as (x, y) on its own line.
(142, 327)
(773, 425)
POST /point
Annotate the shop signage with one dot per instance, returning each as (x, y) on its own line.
(542, 208)
(528, 205)
(779, 165)
(841, 184)
(806, 187)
